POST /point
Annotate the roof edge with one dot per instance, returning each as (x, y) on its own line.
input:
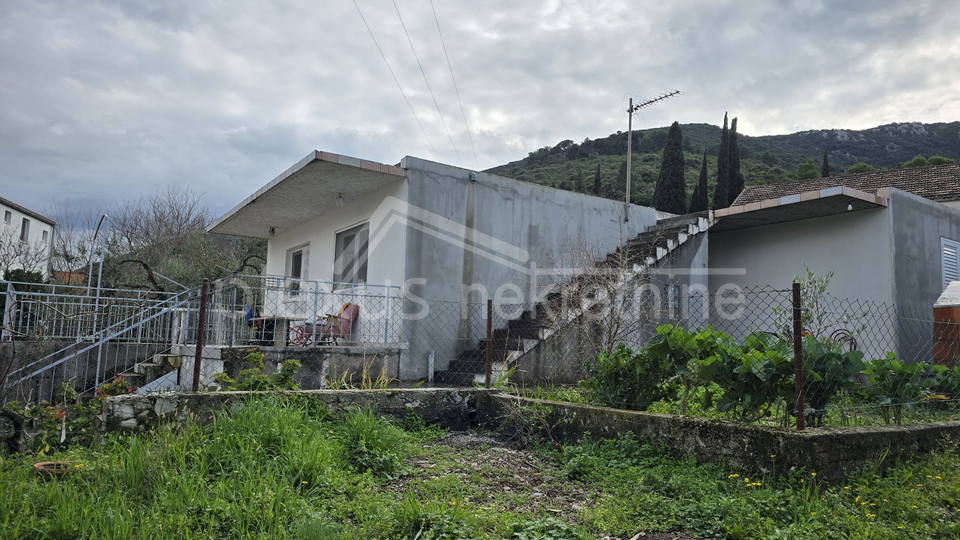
(316, 155)
(27, 211)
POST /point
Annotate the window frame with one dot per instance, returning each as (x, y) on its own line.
(25, 230)
(352, 270)
(8, 217)
(297, 266)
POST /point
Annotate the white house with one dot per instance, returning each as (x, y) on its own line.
(26, 239)
(439, 236)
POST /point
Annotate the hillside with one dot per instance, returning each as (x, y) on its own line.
(765, 159)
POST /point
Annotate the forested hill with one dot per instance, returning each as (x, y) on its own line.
(765, 159)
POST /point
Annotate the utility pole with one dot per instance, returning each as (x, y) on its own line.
(630, 110)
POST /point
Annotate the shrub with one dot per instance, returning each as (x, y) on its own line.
(896, 385)
(433, 520)
(254, 379)
(629, 380)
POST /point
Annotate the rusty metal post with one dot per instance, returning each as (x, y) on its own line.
(799, 400)
(201, 333)
(489, 370)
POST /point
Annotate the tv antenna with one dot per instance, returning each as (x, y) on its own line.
(630, 110)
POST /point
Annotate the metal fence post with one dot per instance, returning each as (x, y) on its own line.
(201, 330)
(798, 403)
(489, 364)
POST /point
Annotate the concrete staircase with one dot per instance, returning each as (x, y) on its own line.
(525, 333)
(159, 373)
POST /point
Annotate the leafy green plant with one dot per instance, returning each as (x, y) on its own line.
(896, 385)
(371, 443)
(629, 380)
(255, 379)
(753, 376)
(827, 371)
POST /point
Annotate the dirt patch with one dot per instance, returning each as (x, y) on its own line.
(500, 477)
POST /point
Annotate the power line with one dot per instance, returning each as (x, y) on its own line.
(396, 80)
(455, 84)
(437, 105)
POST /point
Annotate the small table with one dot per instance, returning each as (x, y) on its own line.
(281, 327)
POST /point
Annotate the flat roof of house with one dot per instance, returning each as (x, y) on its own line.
(940, 183)
(306, 190)
(27, 211)
(816, 203)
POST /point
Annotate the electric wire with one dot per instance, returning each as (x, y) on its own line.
(449, 66)
(422, 72)
(417, 118)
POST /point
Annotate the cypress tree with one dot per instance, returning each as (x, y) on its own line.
(736, 177)
(699, 203)
(597, 186)
(825, 167)
(670, 193)
(721, 194)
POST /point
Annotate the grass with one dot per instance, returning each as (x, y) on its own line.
(279, 469)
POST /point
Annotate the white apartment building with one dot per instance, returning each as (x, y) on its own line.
(26, 239)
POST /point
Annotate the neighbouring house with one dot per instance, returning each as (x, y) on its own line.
(442, 238)
(26, 239)
(891, 238)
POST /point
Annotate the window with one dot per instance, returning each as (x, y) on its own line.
(950, 257)
(350, 265)
(297, 266)
(44, 236)
(25, 230)
(7, 217)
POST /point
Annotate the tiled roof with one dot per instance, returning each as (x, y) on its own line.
(940, 183)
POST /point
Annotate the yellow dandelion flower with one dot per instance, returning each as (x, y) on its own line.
(937, 478)
(813, 513)
(914, 506)
(871, 515)
(304, 482)
(846, 487)
(899, 526)
(734, 476)
(857, 499)
(919, 485)
(813, 474)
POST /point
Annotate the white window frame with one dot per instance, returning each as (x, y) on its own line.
(44, 236)
(25, 230)
(351, 253)
(949, 260)
(297, 274)
(7, 217)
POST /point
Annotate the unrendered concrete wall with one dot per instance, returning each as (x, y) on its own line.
(513, 232)
(918, 226)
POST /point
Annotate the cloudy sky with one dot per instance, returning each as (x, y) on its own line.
(102, 101)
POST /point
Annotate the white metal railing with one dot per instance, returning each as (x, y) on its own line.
(52, 312)
(236, 303)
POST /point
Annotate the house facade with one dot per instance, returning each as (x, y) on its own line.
(892, 252)
(26, 239)
(441, 238)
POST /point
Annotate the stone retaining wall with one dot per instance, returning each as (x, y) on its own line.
(451, 408)
(830, 452)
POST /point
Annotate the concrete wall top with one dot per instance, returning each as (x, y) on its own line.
(950, 297)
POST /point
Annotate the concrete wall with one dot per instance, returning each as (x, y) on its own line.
(918, 226)
(952, 204)
(318, 365)
(856, 246)
(516, 228)
(39, 249)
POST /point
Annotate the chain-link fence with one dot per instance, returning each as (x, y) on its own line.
(641, 344)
